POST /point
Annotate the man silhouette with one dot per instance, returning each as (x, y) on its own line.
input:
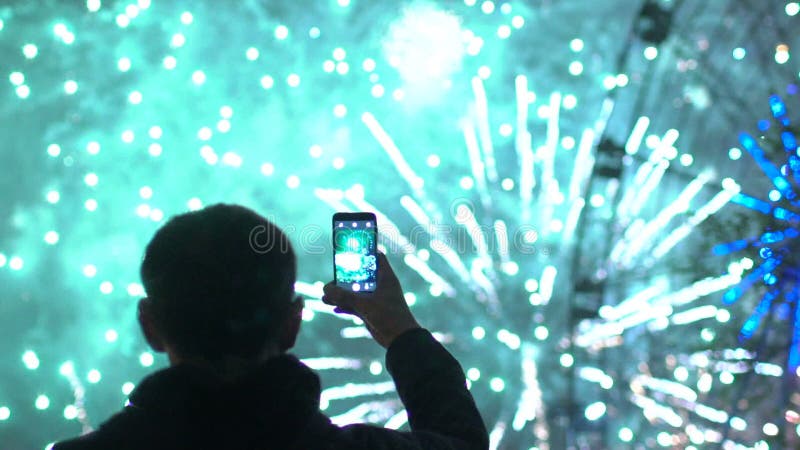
(222, 306)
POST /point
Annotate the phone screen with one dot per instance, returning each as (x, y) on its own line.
(355, 245)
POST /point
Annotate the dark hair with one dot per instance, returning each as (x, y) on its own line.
(221, 280)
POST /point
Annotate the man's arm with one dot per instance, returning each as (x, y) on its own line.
(433, 389)
(430, 382)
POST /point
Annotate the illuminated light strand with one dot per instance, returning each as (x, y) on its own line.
(637, 134)
(366, 412)
(702, 213)
(482, 281)
(355, 333)
(501, 234)
(428, 274)
(694, 315)
(619, 248)
(397, 420)
(414, 181)
(769, 237)
(768, 369)
(633, 303)
(452, 258)
(678, 206)
(584, 164)
(388, 230)
(79, 394)
(596, 375)
(333, 197)
(476, 164)
(653, 410)
(644, 191)
(758, 273)
(644, 171)
(437, 243)
(465, 217)
(547, 154)
(522, 143)
(328, 363)
(766, 208)
(482, 116)
(769, 169)
(318, 306)
(313, 290)
(496, 435)
(753, 322)
(794, 351)
(547, 282)
(352, 390)
(573, 216)
(673, 388)
(531, 406)
(644, 308)
(659, 163)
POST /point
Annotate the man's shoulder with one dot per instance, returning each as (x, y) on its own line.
(113, 433)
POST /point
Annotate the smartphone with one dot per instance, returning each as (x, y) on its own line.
(355, 251)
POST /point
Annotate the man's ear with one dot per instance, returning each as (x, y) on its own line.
(148, 323)
(291, 326)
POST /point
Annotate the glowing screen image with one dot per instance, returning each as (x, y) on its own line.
(355, 259)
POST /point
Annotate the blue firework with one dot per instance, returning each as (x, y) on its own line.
(779, 268)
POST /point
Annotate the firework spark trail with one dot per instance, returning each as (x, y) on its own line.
(547, 154)
(397, 420)
(482, 117)
(79, 394)
(651, 174)
(328, 363)
(414, 180)
(501, 234)
(438, 237)
(653, 227)
(636, 136)
(729, 191)
(496, 435)
(477, 165)
(359, 413)
(531, 405)
(522, 143)
(642, 308)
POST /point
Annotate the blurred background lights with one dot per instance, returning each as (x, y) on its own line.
(42, 402)
(127, 388)
(111, 335)
(93, 376)
(30, 51)
(581, 271)
(70, 412)
(16, 263)
(30, 360)
(424, 45)
(497, 384)
(70, 87)
(595, 411)
(146, 359)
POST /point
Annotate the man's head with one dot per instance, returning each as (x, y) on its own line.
(220, 283)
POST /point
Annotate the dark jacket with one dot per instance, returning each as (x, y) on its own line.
(277, 407)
